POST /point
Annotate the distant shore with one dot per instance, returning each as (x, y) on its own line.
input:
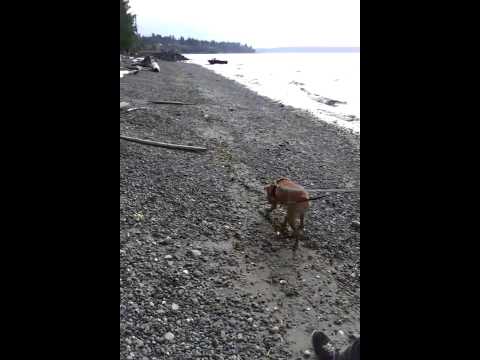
(300, 49)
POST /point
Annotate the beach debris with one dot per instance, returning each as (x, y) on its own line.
(127, 72)
(327, 101)
(162, 102)
(138, 216)
(165, 145)
(216, 61)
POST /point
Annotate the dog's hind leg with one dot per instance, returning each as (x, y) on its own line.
(283, 226)
(302, 217)
(302, 226)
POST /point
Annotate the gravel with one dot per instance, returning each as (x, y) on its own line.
(191, 234)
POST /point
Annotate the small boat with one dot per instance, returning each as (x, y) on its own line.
(215, 61)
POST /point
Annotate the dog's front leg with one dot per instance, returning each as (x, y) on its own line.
(268, 212)
(272, 207)
(295, 244)
(284, 225)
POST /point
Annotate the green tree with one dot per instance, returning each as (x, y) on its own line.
(128, 27)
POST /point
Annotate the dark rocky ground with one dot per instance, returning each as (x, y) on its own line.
(202, 273)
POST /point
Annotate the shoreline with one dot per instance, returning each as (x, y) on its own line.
(196, 257)
(295, 96)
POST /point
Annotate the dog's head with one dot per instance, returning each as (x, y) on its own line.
(270, 190)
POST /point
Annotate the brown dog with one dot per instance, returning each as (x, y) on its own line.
(294, 198)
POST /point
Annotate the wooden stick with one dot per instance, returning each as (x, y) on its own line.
(137, 108)
(334, 190)
(165, 145)
(170, 102)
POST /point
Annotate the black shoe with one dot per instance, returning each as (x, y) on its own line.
(322, 346)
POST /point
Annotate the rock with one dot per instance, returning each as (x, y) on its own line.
(124, 105)
(196, 253)
(197, 273)
(275, 329)
(169, 336)
(354, 335)
(175, 307)
(307, 353)
(168, 257)
(356, 225)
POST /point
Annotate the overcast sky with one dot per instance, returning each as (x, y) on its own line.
(259, 23)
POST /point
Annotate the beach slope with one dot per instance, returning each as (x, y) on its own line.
(202, 273)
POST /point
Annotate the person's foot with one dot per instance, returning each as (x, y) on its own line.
(322, 346)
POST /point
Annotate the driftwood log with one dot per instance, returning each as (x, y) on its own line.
(165, 145)
(150, 62)
(155, 66)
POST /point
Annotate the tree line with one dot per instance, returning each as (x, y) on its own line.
(191, 45)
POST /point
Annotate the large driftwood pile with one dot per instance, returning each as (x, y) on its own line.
(135, 65)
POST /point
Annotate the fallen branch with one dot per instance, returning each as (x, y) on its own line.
(170, 102)
(165, 145)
